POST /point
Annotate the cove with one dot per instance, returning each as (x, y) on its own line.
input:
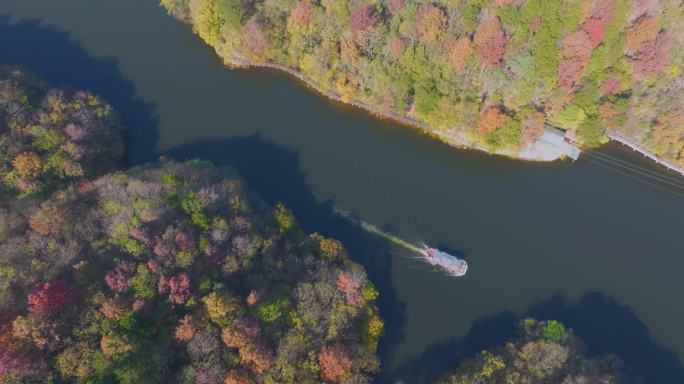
(576, 242)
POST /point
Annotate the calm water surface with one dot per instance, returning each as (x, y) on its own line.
(601, 251)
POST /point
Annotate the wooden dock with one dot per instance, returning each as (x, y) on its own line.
(616, 136)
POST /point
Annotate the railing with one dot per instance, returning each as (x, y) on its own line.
(613, 135)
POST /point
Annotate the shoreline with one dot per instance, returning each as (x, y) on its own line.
(454, 140)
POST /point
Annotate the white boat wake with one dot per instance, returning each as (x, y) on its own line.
(452, 265)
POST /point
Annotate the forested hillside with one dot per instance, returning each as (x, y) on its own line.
(543, 353)
(487, 73)
(167, 273)
(49, 139)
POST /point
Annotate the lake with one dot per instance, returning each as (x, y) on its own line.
(579, 242)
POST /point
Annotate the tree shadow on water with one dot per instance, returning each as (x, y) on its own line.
(600, 321)
(607, 326)
(273, 172)
(438, 359)
(55, 57)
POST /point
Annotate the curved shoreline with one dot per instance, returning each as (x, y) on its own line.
(454, 139)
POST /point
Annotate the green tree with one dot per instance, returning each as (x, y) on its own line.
(554, 331)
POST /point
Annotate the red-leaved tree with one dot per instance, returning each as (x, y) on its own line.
(118, 280)
(577, 49)
(611, 85)
(255, 42)
(179, 288)
(395, 6)
(51, 297)
(397, 48)
(641, 32)
(302, 13)
(595, 30)
(603, 11)
(18, 361)
(350, 285)
(640, 7)
(490, 41)
(363, 18)
(334, 362)
(652, 57)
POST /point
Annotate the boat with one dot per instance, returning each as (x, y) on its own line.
(451, 264)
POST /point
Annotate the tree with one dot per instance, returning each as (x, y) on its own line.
(255, 42)
(334, 362)
(208, 20)
(210, 374)
(652, 57)
(186, 329)
(640, 7)
(27, 164)
(302, 13)
(234, 337)
(395, 6)
(255, 357)
(204, 349)
(114, 345)
(118, 280)
(238, 377)
(373, 331)
(75, 361)
(533, 128)
(47, 221)
(350, 284)
(75, 133)
(363, 17)
(18, 361)
(221, 307)
(611, 85)
(51, 297)
(534, 358)
(143, 283)
(284, 218)
(577, 49)
(397, 48)
(641, 32)
(591, 131)
(459, 50)
(554, 331)
(230, 12)
(491, 120)
(595, 30)
(179, 288)
(490, 41)
(431, 22)
(113, 308)
(570, 117)
(604, 10)
(332, 249)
